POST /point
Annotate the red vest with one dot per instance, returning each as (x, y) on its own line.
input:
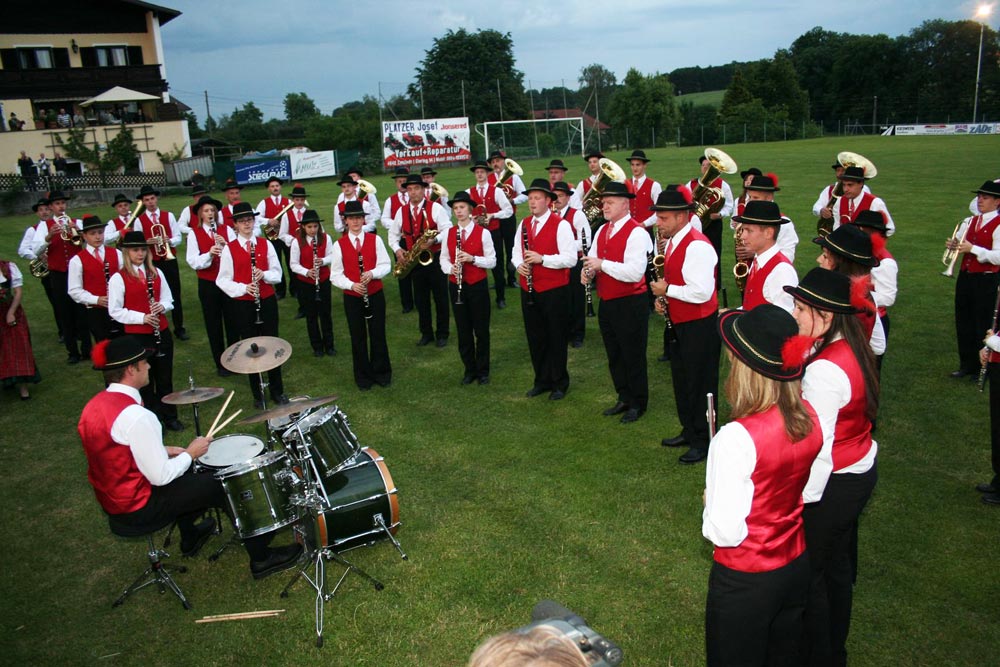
(60, 252)
(472, 244)
(349, 255)
(413, 227)
(492, 180)
(119, 486)
(137, 299)
(271, 210)
(227, 216)
(293, 221)
(306, 258)
(852, 436)
(693, 183)
(982, 236)
(587, 184)
(395, 202)
(741, 203)
(205, 242)
(863, 205)
(95, 278)
(147, 231)
(682, 311)
(241, 266)
(545, 243)
(120, 224)
(489, 200)
(613, 249)
(775, 536)
(639, 207)
(753, 294)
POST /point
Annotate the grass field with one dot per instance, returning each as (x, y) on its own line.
(506, 500)
(712, 98)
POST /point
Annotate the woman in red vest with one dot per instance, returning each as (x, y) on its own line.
(89, 273)
(758, 465)
(841, 383)
(312, 252)
(468, 287)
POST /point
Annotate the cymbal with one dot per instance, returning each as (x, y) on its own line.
(288, 409)
(256, 355)
(195, 395)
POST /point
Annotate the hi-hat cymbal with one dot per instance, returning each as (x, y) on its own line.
(287, 409)
(256, 355)
(195, 395)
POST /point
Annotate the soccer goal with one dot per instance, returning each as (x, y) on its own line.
(528, 139)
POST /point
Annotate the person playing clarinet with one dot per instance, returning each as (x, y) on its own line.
(312, 251)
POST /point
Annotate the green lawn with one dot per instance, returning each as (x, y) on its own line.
(506, 500)
(712, 98)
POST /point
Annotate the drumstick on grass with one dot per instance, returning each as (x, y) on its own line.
(211, 434)
(221, 411)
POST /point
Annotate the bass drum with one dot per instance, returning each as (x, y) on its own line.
(361, 500)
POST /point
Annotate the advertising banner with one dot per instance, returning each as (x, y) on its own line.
(430, 141)
(313, 165)
(251, 173)
(947, 128)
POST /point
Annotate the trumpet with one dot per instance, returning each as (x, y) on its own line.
(69, 233)
(438, 192)
(418, 254)
(951, 256)
(846, 159)
(270, 231)
(510, 168)
(711, 200)
(610, 171)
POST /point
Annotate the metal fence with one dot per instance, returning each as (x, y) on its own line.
(89, 181)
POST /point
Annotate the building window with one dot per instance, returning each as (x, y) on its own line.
(35, 58)
(110, 56)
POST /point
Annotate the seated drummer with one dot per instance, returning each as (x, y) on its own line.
(147, 484)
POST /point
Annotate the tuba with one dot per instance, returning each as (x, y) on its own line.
(846, 159)
(610, 171)
(366, 187)
(711, 200)
(418, 254)
(438, 192)
(510, 168)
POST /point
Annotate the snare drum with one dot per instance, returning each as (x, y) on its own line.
(359, 496)
(328, 437)
(259, 493)
(228, 451)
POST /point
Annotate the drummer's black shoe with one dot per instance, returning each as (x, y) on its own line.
(173, 425)
(278, 559)
(202, 531)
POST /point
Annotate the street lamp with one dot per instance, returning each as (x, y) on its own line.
(982, 14)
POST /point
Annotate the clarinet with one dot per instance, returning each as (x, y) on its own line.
(458, 276)
(364, 297)
(315, 249)
(529, 279)
(157, 336)
(982, 370)
(652, 276)
(107, 279)
(589, 287)
(256, 296)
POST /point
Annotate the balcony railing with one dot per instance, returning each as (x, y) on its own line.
(65, 83)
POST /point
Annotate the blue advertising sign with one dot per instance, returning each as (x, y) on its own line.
(250, 173)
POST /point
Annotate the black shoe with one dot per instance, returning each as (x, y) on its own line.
(203, 530)
(384, 383)
(674, 442)
(512, 283)
(631, 415)
(408, 310)
(331, 351)
(485, 379)
(960, 373)
(317, 353)
(277, 560)
(280, 399)
(986, 488)
(73, 359)
(991, 498)
(468, 379)
(501, 304)
(182, 334)
(424, 340)
(259, 403)
(615, 409)
(365, 387)
(223, 372)
(441, 342)
(534, 391)
(557, 395)
(663, 357)
(577, 344)
(693, 455)
(299, 315)
(173, 425)
(62, 340)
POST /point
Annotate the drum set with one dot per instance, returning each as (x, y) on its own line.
(310, 472)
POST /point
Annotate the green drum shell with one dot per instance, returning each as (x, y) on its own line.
(331, 448)
(258, 497)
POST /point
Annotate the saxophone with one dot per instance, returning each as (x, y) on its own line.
(418, 254)
(741, 269)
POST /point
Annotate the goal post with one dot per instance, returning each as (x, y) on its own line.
(529, 139)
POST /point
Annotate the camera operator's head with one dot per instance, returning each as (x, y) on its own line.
(541, 646)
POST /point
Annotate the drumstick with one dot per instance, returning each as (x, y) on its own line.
(271, 613)
(211, 434)
(222, 410)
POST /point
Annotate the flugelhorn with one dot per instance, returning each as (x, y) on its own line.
(69, 233)
(951, 256)
(711, 199)
(610, 171)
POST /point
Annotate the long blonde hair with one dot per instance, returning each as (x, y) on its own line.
(147, 264)
(749, 392)
(542, 646)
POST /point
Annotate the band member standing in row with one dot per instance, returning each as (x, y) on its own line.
(855, 200)
(411, 222)
(557, 173)
(393, 204)
(770, 270)
(744, 197)
(429, 175)
(312, 252)
(885, 273)
(468, 287)
(645, 189)
(757, 469)
(139, 298)
(89, 273)
(762, 188)
(248, 269)
(160, 229)
(188, 218)
(49, 239)
(492, 207)
(232, 191)
(691, 302)
(113, 230)
(582, 234)
(712, 227)
(25, 251)
(349, 192)
(617, 264)
(823, 201)
(976, 285)
(288, 228)
(267, 216)
(512, 187)
(17, 361)
(593, 160)
(358, 262)
(543, 255)
(370, 198)
(206, 239)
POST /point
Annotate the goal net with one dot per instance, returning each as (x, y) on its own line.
(528, 139)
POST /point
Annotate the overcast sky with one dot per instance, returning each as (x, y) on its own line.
(336, 52)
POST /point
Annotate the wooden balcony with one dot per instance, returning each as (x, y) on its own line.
(65, 83)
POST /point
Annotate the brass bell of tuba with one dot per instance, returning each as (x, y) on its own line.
(846, 159)
(711, 200)
(610, 172)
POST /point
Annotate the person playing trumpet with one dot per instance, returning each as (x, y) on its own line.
(311, 256)
(161, 230)
(496, 207)
(25, 251)
(89, 273)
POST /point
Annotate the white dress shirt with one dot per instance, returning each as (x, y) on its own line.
(111, 231)
(486, 261)
(637, 248)
(566, 257)
(782, 274)
(824, 198)
(225, 278)
(198, 260)
(518, 185)
(788, 239)
(698, 270)
(74, 275)
(138, 429)
(287, 237)
(116, 298)
(877, 205)
(24, 248)
(387, 209)
(506, 210)
(437, 213)
(382, 263)
(39, 243)
(294, 260)
(371, 219)
(16, 279)
(261, 207)
(884, 282)
(581, 227)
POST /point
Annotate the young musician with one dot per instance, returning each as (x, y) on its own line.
(349, 192)
(17, 361)
(855, 200)
(139, 298)
(543, 255)
(207, 237)
(160, 229)
(312, 253)
(268, 211)
(115, 226)
(841, 383)
(490, 207)
(646, 190)
(770, 270)
(758, 466)
(248, 269)
(89, 273)
(578, 292)
(593, 160)
(393, 203)
(511, 187)
(823, 201)
(471, 246)
(884, 274)
(288, 231)
(762, 188)
(712, 227)
(358, 262)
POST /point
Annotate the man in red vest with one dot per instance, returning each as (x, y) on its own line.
(770, 270)
(370, 198)
(645, 189)
(24, 251)
(349, 192)
(617, 264)
(139, 482)
(692, 305)
(544, 254)
(268, 210)
(231, 189)
(155, 223)
(113, 230)
(89, 273)
(490, 206)
(393, 203)
(712, 226)
(762, 188)
(823, 201)
(855, 200)
(512, 188)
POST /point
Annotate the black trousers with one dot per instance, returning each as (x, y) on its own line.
(578, 304)
(161, 375)
(472, 320)
(172, 274)
(319, 324)
(50, 295)
(72, 317)
(546, 324)
(499, 272)
(284, 255)
(243, 314)
(975, 300)
(755, 618)
(830, 525)
(694, 369)
(369, 350)
(429, 281)
(624, 324)
(713, 230)
(100, 324)
(220, 330)
(993, 371)
(406, 293)
(508, 227)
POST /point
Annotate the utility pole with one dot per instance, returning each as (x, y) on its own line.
(208, 114)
